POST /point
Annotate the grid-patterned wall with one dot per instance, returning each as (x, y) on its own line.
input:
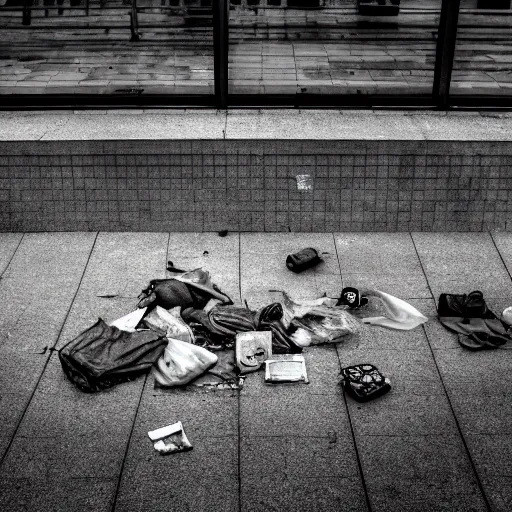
(252, 186)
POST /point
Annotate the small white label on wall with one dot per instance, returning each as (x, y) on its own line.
(304, 182)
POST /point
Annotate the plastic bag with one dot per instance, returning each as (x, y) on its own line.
(182, 362)
(321, 318)
(400, 314)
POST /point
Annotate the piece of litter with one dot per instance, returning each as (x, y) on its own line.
(223, 233)
(170, 439)
(252, 349)
(304, 182)
(286, 370)
(130, 321)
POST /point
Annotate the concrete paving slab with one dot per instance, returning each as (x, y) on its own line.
(430, 473)
(212, 414)
(383, 261)
(179, 491)
(451, 127)
(328, 494)
(492, 454)
(122, 264)
(29, 128)
(402, 414)
(138, 126)
(489, 414)
(305, 415)
(64, 495)
(487, 372)
(327, 125)
(109, 413)
(38, 287)
(47, 459)
(8, 245)
(289, 458)
(503, 243)
(263, 267)
(461, 263)
(499, 492)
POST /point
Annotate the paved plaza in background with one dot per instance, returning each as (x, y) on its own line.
(272, 51)
(441, 440)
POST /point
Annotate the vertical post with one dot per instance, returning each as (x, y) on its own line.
(445, 51)
(220, 51)
(134, 22)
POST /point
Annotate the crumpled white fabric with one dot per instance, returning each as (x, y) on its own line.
(182, 362)
(400, 314)
(169, 323)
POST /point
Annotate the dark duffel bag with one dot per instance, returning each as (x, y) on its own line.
(103, 356)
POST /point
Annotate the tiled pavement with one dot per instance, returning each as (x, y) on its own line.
(290, 52)
(441, 440)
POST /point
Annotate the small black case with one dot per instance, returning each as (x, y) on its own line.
(303, 259)
(364, 382)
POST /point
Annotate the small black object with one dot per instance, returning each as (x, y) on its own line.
(352, 298)
(471, 305)
(303, 259)
(364, 382)
(223, 233)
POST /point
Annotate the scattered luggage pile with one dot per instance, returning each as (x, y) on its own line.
(188, 332)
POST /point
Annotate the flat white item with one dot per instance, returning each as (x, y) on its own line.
(170, 439)
(400, 314)
(130, 321)
(291, 369)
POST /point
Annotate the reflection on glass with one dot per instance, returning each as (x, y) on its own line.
(332, 46)
(106, 47)
(483, 53)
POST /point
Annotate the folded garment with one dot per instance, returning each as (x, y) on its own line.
(189, 289)
(222, 323)
(477, 326)
(103, 356)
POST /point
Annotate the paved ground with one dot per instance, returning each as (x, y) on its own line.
(332, 50)
(441, 440)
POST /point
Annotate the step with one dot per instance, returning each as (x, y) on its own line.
(279, 170)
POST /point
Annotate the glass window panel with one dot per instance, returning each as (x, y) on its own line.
(81, 46)
(332, 46)
(483, 52)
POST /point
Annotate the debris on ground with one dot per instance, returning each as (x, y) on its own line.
(290, 369)
(364, 382)
(478, 328)
(302, 260)
(170, 439)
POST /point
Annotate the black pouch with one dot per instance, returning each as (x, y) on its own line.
(302, 260)
(364, 382)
